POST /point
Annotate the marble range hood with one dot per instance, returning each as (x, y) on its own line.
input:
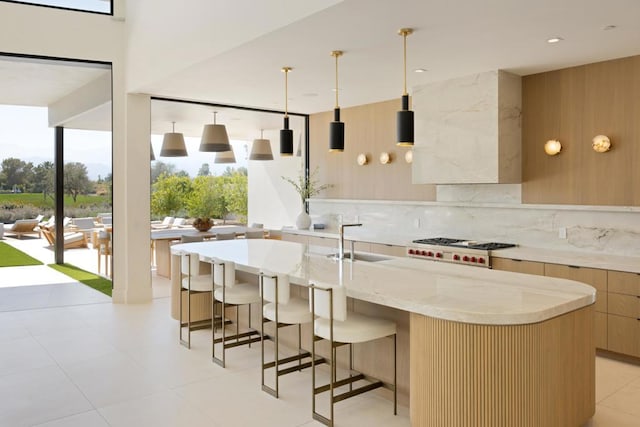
(468, 130)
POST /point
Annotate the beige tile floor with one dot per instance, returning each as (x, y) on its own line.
(93, 363)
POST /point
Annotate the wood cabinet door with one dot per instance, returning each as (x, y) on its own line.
(517, 266)
(591, 276)
(624, 283)
(379, 248)
(624, 335)
(601, 330)
(298, 238)
(324, 241)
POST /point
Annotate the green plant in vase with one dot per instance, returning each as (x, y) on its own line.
(306, 188)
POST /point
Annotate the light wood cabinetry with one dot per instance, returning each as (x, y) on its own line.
(395, 250)
(624, 312)
(596, 278)
(518, 266)
(624, 335)
(323, 241)
(539, 374)
(591, 276)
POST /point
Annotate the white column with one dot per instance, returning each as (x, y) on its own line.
(131, 193)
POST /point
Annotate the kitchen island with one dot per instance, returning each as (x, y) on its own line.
(486, 347)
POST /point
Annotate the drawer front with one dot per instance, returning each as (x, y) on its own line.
(517, 266)
(624, 283)
(323, 241)
(379, 248)
(624, 335)
(624, 305)
(591, 276)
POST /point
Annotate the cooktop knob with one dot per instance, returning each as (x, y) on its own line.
(481, 260)
(465, 258)
(429, 253)
(411, 251)
(473, 259)
(438, 254)
(456, 257)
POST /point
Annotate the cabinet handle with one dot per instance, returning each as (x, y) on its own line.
(516, 260)
(573, 266)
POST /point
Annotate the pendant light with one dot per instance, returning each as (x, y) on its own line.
(286, 134)
(173, 144)
(225, 157)
(261, 149)
(405, 116)
(336, 127)
(214, 137)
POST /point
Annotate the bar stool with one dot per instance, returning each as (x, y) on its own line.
(283, 310)
(229, 293)
(103, 244)
(192, 282)
(337, 326)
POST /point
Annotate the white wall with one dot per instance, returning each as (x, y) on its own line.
(272, 201)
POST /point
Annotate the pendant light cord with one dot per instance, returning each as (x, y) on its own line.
(405, 63)
(404, 32)
(336, 54)
(286, 91)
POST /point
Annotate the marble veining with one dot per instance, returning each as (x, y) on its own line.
(603, 230)
(446, 291)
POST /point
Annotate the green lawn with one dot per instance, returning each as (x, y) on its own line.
(37, 200)
(92, 280)
(12, 257)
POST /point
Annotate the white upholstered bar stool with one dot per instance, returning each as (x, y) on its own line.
(337, 326)
(229, 293)
(284, 310)
(192, 282)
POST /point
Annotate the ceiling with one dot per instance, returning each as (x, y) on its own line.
(451, 38)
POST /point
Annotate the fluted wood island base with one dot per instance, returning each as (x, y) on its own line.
(540, 374)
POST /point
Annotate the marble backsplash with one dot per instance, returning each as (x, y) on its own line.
(593, 229)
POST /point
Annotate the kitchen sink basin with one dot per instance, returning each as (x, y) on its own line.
(361, 256)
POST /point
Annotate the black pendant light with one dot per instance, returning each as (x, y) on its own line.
(336, 127)
(405, 116)
(286, 134)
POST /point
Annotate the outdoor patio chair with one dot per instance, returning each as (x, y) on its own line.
(166, 223)
(23, 227)
(71, 239)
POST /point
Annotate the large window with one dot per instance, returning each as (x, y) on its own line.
(97, 6)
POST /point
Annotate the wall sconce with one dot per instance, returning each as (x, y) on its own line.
(408, 156)
(362, 159)
(552, 147)
(385, 158)
(601, 144)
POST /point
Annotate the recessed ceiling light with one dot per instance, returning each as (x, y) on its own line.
(610, 27)
(554, 39)
(420, 70)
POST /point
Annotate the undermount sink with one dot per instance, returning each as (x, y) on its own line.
(360, 256)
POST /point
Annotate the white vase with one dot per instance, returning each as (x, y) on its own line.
(303, 221)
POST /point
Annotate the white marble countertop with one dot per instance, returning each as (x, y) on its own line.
(446, 291)
(175, 233)
(525, 253)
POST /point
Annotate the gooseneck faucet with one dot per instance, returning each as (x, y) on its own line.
(341, 241)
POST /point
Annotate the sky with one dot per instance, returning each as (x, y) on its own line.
(24, 134)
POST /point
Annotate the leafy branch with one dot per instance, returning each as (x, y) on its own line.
(307, 188)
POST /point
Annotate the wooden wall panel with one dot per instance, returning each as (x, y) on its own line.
(573, 105)
(369, 129)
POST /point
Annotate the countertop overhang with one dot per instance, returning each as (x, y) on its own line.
(451, 292)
